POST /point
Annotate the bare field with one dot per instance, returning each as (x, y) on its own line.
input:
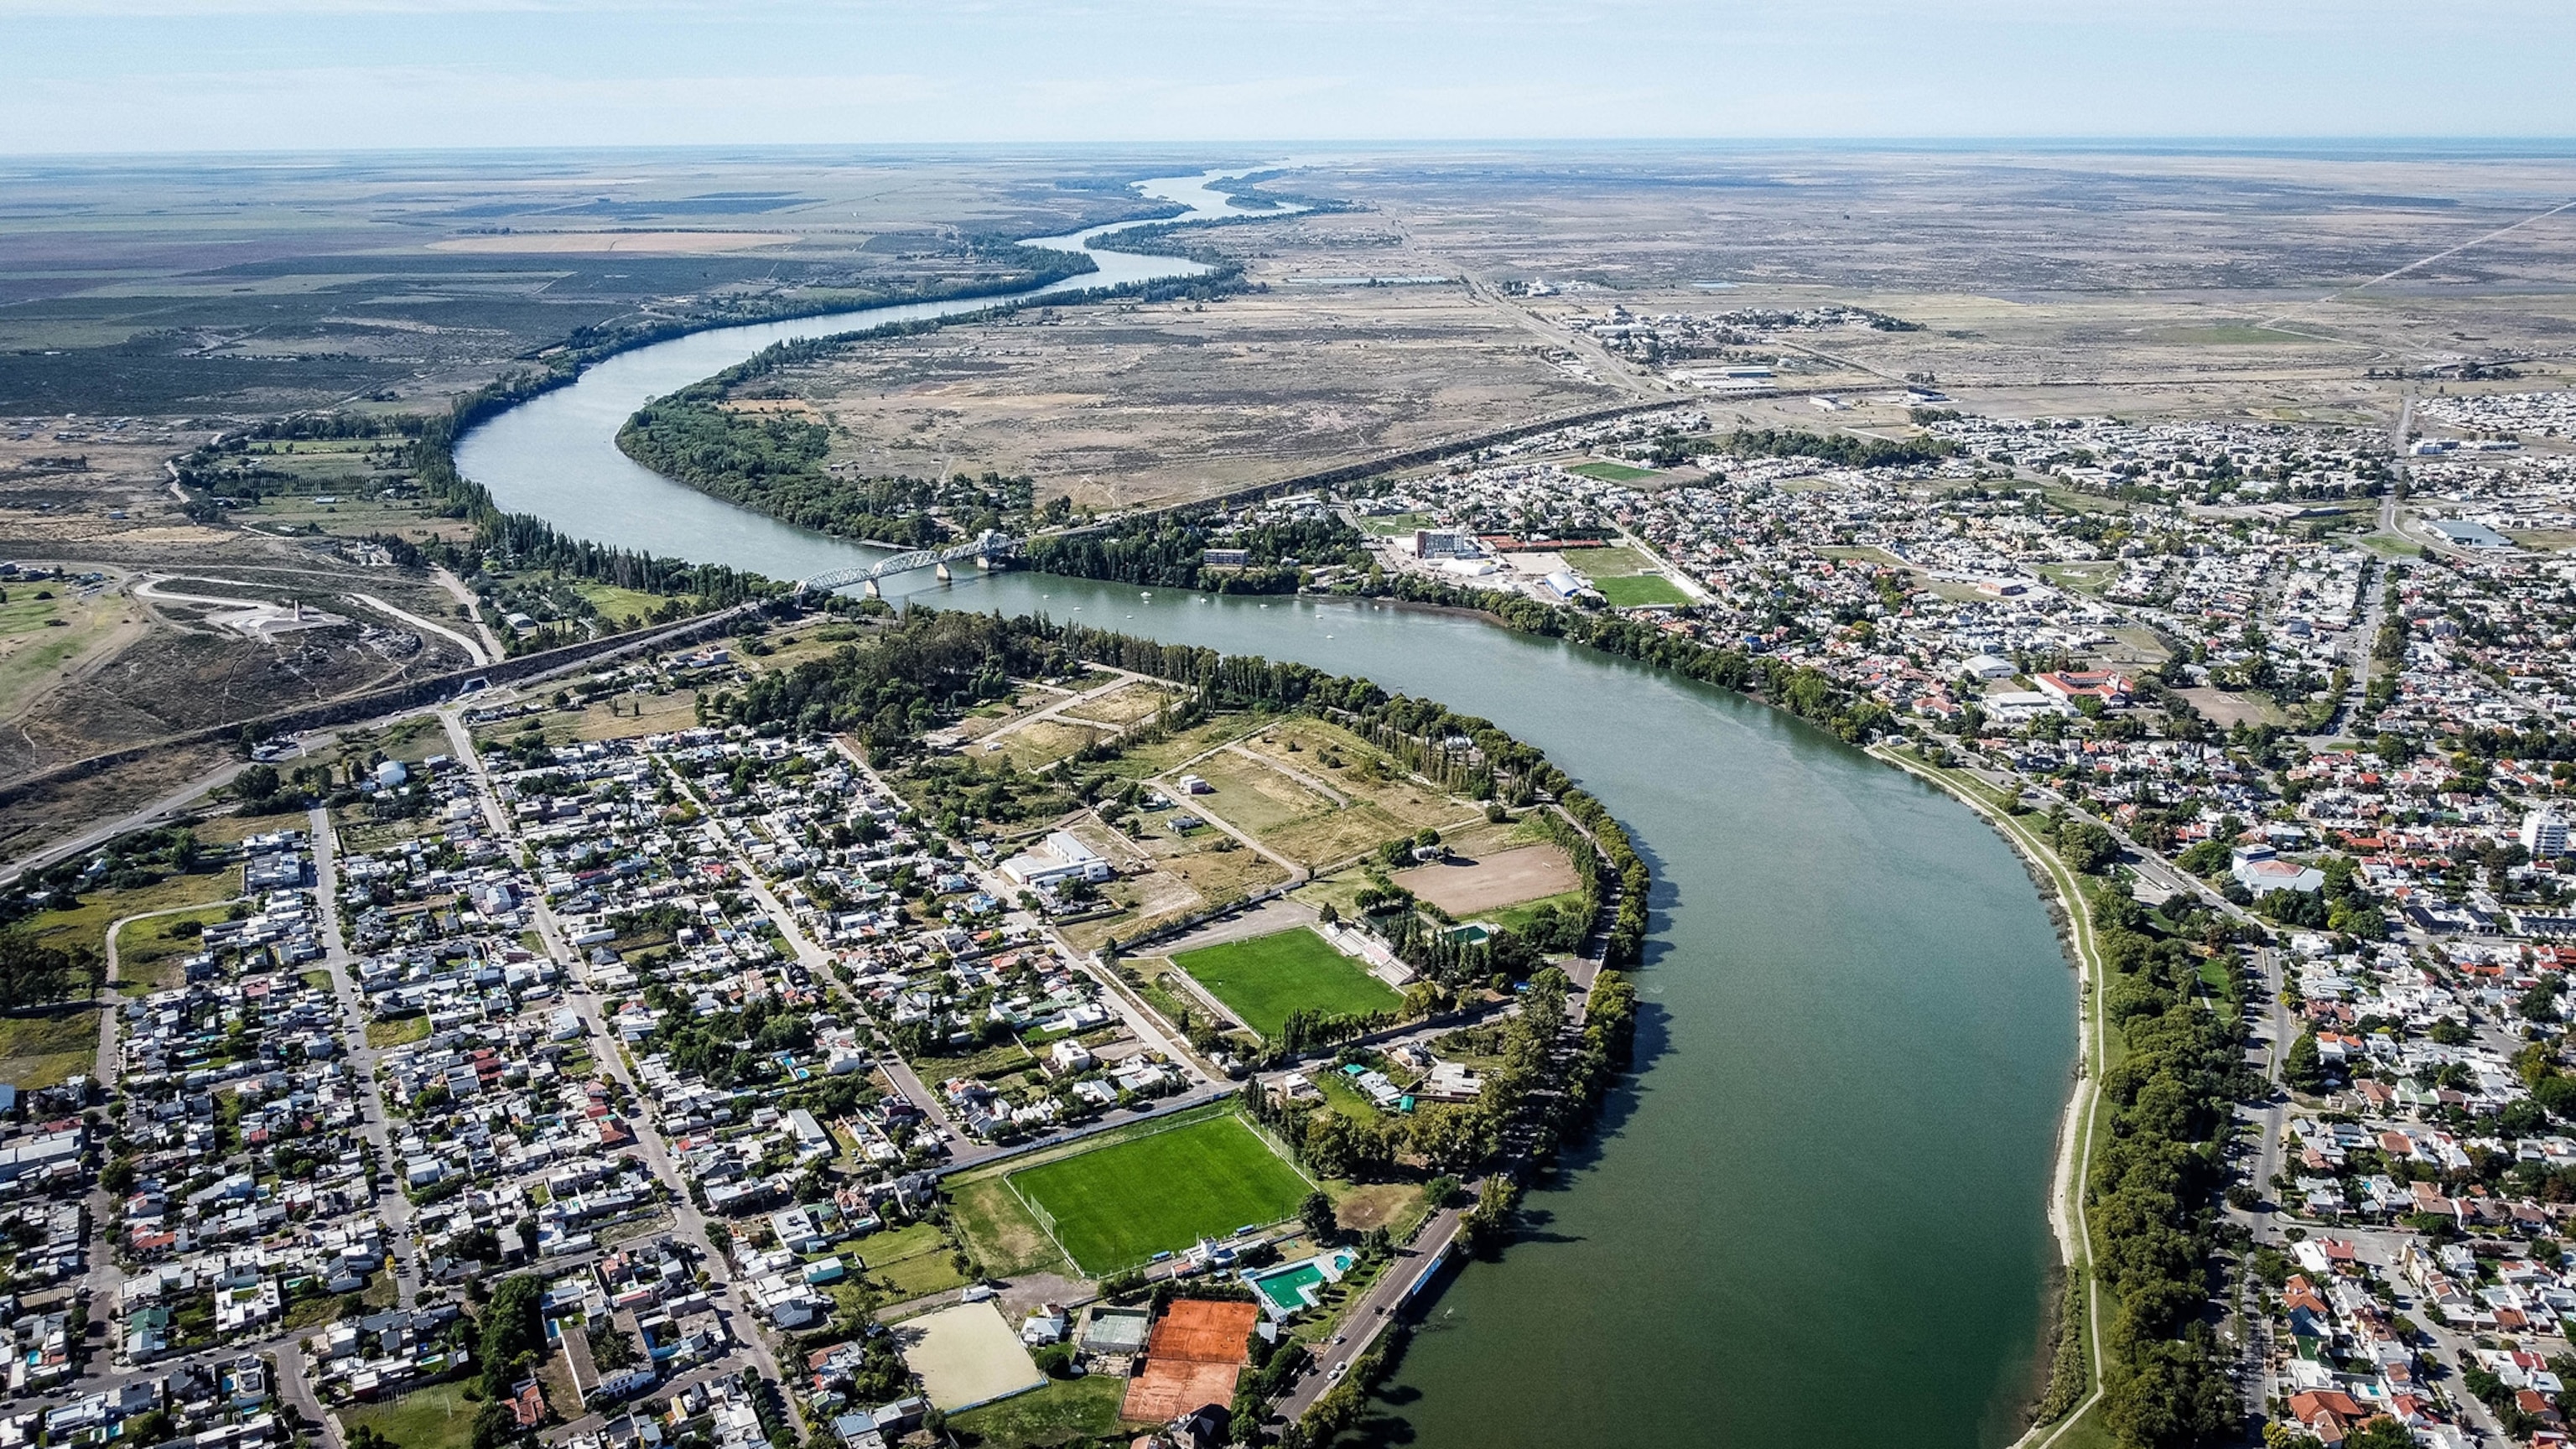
(651, 243)
(1142, 404)
(1463, 885)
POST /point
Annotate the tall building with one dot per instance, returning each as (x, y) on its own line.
(2544, 834)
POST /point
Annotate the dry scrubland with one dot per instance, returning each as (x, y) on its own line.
(1140, 404)
(2164, 286)
(2043, 283)
(242, 289)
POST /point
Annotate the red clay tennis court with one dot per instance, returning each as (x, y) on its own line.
(1191, 1361)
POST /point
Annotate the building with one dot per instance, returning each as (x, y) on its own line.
(1225, 558)
(2259, 870)
(1444, 543)
(1061, 858)
(2544, 834)
(2070, 686)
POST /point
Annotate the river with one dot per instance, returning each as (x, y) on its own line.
(1817, 1214)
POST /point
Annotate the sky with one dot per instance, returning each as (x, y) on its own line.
(224, 75)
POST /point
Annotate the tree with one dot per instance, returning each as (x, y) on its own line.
(495, 1424)
(2085, 846)
(366, 1436)
(2304, 1068)
(256, 783)
(2380, 1433)
(1316, 1212)
(32, 973)
(511, 1327)
(614, 1348)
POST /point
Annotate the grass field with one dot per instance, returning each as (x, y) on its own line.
(432, 1418)
(1264, 979)
(42, 1048)
(1611, 561)
(915, 1259)
(148, 954)
(1120, 1205)
(400, 1031)
(1609, 472)
(86, 924)
(1639, 590)
(1064, 1409)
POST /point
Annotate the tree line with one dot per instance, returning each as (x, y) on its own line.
(1802, 690)
(2152, 1196)
(1168, 551)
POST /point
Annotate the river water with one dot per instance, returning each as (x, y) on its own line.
(1817, 1215)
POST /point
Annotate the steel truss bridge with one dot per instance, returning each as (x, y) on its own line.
(982, 550)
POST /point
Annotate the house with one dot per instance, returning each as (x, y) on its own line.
(2068, 686)
(1044, 1325)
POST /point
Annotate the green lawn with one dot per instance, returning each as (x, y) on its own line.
(433, 1418)
(1607, 562)
(1518, 918)
(1612, 472)
(1638, 590)
(915, 1258)
(400, 1031)
(1267, 977)
(1057, 1411)
(1118, 1206)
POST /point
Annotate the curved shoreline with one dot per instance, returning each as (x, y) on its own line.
(2066, 1212)
(2068, 1154)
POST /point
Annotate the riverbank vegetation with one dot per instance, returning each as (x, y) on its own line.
(1169, 551)
(2153, 1193)
(1800, 689)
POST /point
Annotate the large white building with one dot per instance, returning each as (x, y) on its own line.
(2544, 834)
(1060, 858)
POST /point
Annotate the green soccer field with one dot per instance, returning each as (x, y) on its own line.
(1637, 590)
(1612, 472)
(1267, 977)
(1118, 1206)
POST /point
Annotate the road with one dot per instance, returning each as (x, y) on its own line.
(167, 805)
(377, 1127)
(1369, 1317)
(473, 650)
(456, 590)
(689, 1223)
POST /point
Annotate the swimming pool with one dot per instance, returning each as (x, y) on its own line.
(1294, 1287)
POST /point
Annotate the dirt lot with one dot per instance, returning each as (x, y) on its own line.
(1463, 887)
(966, 1355)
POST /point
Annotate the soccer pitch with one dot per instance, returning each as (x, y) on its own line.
(1267, 977)
(1635, 590)
(1115, 1207)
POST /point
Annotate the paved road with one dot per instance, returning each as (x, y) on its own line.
(689, 1223)
(1370, 1317)
(99, 835)
(473, 649)
(395, 1208)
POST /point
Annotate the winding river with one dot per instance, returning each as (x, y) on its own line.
(1816, 1216)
